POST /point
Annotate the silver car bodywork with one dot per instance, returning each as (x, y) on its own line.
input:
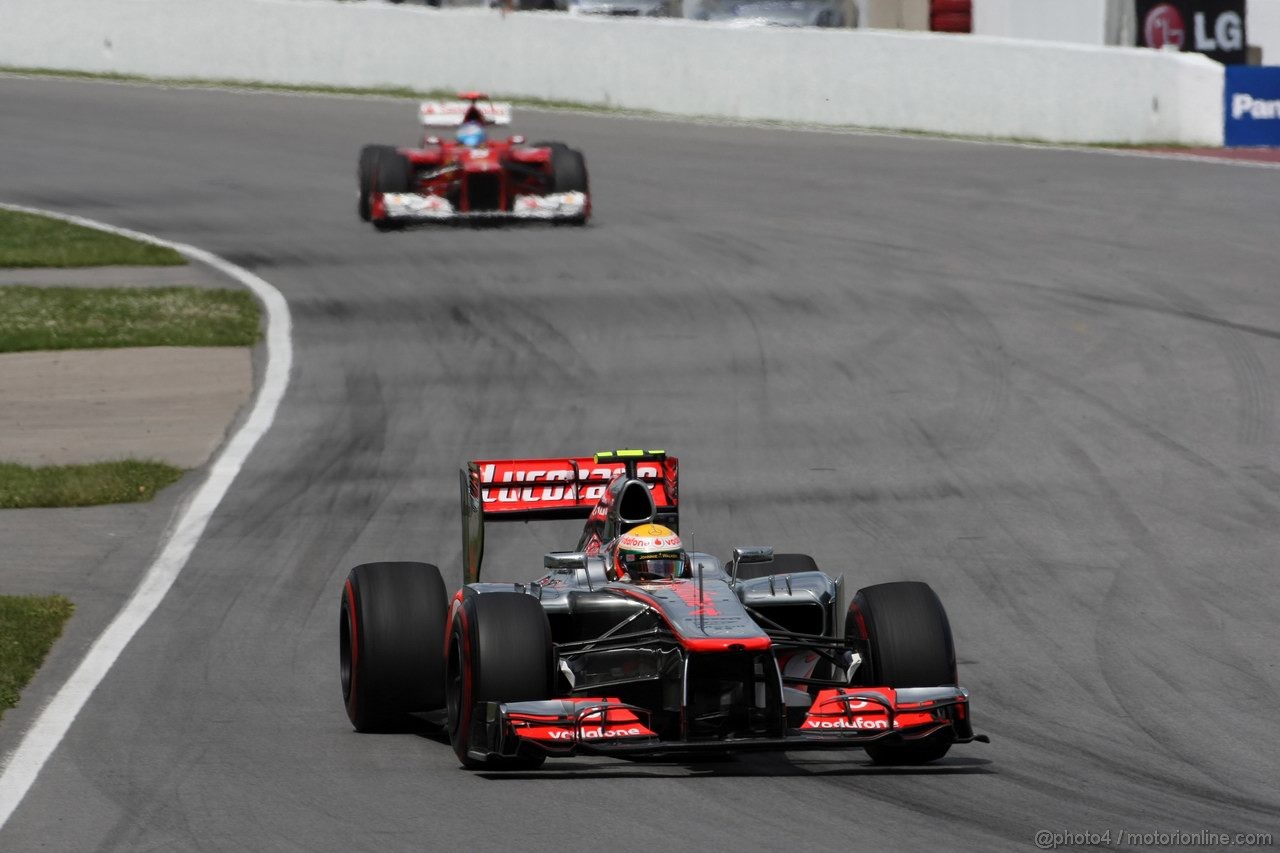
(755, 655)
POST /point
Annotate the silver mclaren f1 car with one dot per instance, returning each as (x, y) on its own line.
(757, 652)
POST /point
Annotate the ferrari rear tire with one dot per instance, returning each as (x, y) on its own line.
(499, 650)
(391, 623)
(906, 636)
(369, 156)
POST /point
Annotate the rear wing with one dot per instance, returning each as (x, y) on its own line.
(454, 113)
(557, 488)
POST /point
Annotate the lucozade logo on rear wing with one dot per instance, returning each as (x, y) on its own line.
(527, 484)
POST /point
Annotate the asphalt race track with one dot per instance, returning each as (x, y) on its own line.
(1044, 382)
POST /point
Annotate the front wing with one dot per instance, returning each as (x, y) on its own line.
(843, 718)
(420, 207)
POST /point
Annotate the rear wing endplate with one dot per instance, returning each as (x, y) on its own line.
(549, 489)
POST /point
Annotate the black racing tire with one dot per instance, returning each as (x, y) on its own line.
(391, 623)
(499, 650)
(568, 170)
(557, 148)
(569, 174)
(906, 636)
(369, 156)
(781, 564)
(393, 173)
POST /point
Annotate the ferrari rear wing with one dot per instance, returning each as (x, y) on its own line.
(454, 113)
(558, 488)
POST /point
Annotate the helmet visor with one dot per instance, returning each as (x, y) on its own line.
(471, 134)
(654, 567)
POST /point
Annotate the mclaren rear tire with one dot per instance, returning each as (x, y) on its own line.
(369, 157)
(908, 643)
(391, 621)
(499, 650)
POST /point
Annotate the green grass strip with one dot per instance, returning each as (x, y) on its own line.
(28, 240)
(125, 481)
(53, 318)
(28, 626)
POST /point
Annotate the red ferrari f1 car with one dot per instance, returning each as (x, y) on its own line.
(599, 657)
(471, 176)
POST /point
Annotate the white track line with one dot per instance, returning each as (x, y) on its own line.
(20, 773)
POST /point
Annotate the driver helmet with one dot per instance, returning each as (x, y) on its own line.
(649, 552)
(471, 134)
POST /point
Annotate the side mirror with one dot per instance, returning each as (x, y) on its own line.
(517, 140)
(569, 561)
(565, 561)
(761, 554)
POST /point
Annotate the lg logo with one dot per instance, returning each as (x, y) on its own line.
(1165, 26)
(1228, 33)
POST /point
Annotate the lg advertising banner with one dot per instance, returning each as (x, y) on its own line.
(1212, 27)
(1253, 105)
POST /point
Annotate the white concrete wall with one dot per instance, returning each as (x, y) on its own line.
(1097, 22)
(1263, 25)
(1079, 21)
(912, 81)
